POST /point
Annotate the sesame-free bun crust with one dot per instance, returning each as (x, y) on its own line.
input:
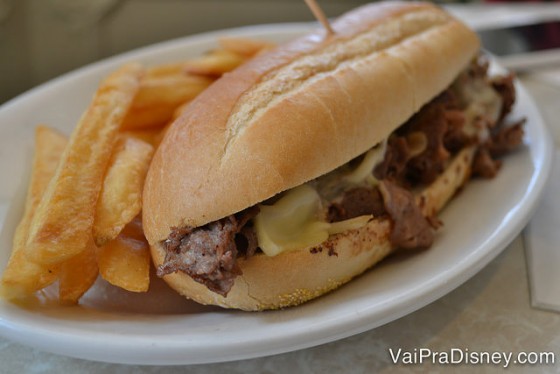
(291, 115)
(294, 277)
(300, 111)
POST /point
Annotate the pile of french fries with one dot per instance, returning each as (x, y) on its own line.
(82, 216)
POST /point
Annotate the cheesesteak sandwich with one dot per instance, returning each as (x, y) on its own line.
(309, 164)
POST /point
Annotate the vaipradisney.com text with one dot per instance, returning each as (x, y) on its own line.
(464, 356)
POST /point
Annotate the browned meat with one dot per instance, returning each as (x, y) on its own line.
(502, 141)
(395, 160)
(442, 123)
(484, 165)
(357, 202)
(433, 120)
(425, 167)
(505, 139)
(410, 228)
(208, 254)
(455, 139)
(506, 89)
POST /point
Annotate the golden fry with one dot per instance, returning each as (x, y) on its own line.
(121, 196)
(165, 87)
(63, 221)
(93, 183)
(214, 63)
(125, 261)
(77, 275)
(149, 135)
(21, 277)
(245, 46)
(165, 70)
(160, 96)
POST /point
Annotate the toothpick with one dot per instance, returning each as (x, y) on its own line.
(318, 13)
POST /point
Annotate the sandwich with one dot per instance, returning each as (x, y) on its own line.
(307, 165)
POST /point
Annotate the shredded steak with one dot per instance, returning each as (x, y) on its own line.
(484, 165)
(503, 140)
(506, 89)
(396, 158)
(209, 253)
(442, 123)
(432, 121)
(410, 228)
(357, 202)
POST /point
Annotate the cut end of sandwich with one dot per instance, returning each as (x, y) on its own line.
(263, 287)
(294, 277)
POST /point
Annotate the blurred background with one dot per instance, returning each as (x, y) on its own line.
(41, 39)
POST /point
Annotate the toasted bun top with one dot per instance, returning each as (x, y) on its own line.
(300, 111)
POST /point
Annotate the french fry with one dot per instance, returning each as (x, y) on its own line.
(149, 135)
(77, 275)
(63, 221)
(87, 191)
(160, 96)
(121, 196)
(21, 277)
(245, 46)
(165, 70)
(214, 63)
(125, 261)
(165, 87)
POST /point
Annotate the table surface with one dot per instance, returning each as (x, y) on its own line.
(496, 299)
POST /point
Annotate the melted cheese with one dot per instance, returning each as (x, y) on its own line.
(482, 100)
(364, 172)
(345, 177)
(297, 219)
(349, 224)
(293, 222)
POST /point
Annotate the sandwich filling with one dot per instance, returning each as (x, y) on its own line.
(378, 184)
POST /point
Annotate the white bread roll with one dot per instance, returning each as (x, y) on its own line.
(294, 277)
(290, 116)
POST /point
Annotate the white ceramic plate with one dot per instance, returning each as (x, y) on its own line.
(163, 328)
